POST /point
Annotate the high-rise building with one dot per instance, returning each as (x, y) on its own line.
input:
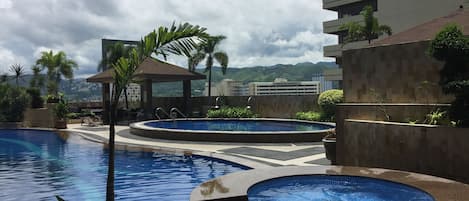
(228, 87)
(400, 15)
(324, 84)
(284, 87)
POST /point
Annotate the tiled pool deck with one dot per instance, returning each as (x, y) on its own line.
(273, 154)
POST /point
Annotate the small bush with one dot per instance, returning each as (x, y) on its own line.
(36, 99)
(309, 116)
(327, 102)
(73, 115)
(61, 109)
(13, 103)
(231, 112)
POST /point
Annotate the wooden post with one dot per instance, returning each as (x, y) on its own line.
(186, 90)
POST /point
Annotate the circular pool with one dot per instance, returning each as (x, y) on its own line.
(334, 187)
(331, 183)
(234, 130)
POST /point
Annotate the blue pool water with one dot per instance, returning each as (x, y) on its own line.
(241, 125)
(37, 165)
(334, 188)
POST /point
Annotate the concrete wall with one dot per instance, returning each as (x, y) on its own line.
(439, 151)
(398, 74)
(265, 106)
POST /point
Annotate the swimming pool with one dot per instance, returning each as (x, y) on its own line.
(334, 187)
(234, 130)
(37, 165)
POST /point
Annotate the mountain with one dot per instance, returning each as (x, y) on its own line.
(80, 90)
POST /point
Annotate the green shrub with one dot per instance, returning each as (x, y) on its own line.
(73, 115)
(231, 112)
(36, 99)
(327, 102)
(437, 117)
(13, 103)
(61, 109)
(309, 116)
(452, 47)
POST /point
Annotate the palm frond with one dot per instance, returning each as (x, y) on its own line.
(194, 60)
(178, 40)
(222, 59)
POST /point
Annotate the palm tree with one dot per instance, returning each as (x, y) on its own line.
(113, 54)
(179, 40)
(18, 72)
(371, 30)
(37, 79)
(208, 51)
(58, 66)
(124, 69)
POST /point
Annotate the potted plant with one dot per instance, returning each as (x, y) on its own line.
(61, 110)
(329, 142)
(52, 98)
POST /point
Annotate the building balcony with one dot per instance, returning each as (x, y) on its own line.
(333, 26)
(336, 50)
(333, 4)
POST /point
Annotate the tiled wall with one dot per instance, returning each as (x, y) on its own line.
(397, 74)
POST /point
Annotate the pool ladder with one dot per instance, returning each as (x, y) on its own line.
(159, 109)
(173, 113)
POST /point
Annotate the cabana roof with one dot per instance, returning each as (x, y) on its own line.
(154, 70)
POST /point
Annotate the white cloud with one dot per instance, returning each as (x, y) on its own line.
(259, 32)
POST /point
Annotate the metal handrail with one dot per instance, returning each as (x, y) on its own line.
(217, 100)
(248, 105)
(176, 111)
(159, 109)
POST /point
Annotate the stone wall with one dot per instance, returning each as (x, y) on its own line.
(265, 106)
(434, 150)
(402, 73)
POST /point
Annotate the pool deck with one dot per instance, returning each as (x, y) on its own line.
(270, 154)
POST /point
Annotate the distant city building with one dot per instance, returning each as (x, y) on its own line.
(133, 93)
(324, 84)
(227, 87)
(281, 86)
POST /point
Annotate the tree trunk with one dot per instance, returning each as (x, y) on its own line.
(110, 171)
(126, 99)
(209, 86)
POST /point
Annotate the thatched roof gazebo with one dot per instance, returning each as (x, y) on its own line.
(149, 71)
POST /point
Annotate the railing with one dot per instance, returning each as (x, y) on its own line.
(248, 105)
(174, 112)
(159, 109)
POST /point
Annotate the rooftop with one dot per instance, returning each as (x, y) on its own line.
(428, 30)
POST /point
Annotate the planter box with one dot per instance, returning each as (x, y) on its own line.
(434, 150)
(11, 124)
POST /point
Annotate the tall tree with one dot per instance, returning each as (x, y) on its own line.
(179, 40)
(58, 66)
(209, 52)
(371, 30)
(18, 72)
(124, 69)
(113, 54)
(37, 80)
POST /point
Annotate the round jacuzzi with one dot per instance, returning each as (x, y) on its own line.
(334, 187)
(234, 130)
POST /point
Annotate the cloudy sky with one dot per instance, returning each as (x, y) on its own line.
(259, 32)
